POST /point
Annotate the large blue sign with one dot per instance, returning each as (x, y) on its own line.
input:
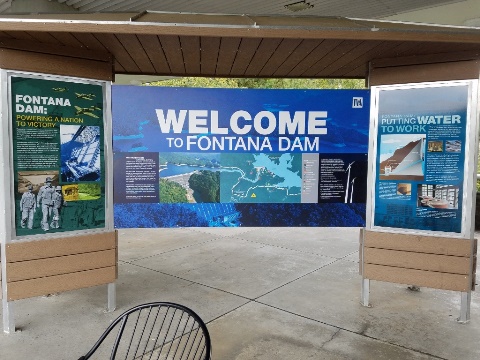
(237, 157)
(421, 151)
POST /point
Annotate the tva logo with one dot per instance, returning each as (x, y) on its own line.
(357, 102)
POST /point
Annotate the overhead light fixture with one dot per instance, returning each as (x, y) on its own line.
(298, 6)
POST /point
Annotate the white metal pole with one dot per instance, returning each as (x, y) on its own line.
(112, 297)
(365, 301)
(8, 316)
(465, 307)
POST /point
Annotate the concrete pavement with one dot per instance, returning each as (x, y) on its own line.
(265, 293)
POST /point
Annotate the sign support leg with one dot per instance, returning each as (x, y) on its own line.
(112, 297)
(365, 292)
(466, 298)
(8, 316)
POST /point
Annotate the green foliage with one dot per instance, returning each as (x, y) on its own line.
(260, 83)
(171, 192)
(90, 189)
(301, 83)
(193, 159)
(206, 185)
(197, 82)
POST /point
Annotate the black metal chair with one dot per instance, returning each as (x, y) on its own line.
(158, 330)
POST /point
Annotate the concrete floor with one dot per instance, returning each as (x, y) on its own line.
(265, 293)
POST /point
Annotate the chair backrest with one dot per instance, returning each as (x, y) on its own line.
(158, 330)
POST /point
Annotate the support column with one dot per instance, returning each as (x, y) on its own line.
(466, 299)
(8, 316)
(365, 299)
(112, 297)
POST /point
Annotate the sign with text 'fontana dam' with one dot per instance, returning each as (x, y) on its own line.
(239, 157)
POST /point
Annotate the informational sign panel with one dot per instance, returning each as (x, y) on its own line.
(58, 154)
(421, 156)
(236, 157)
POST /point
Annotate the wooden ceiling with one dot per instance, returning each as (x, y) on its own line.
(371, 9)
(175, 44)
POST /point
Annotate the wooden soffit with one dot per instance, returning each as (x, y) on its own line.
(179, 44)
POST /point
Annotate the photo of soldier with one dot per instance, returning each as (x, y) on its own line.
(45, 199)
(63, 207)
(28, 205)
(58, 203)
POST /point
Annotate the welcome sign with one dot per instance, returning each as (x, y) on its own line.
(237, 157)
(256, 128)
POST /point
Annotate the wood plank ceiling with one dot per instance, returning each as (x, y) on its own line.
(236, 45)
(368, 9)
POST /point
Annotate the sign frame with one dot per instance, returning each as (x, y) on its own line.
(469, 161)
(107, 153)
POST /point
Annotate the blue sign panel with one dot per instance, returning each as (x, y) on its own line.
(421, 146)
(238, 157)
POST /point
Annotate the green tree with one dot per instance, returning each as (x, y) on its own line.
(301, 83)
(206, 186)
(261, 83)
(197, 82)
(171, 192)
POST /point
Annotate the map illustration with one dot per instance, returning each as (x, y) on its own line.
(261, 178)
